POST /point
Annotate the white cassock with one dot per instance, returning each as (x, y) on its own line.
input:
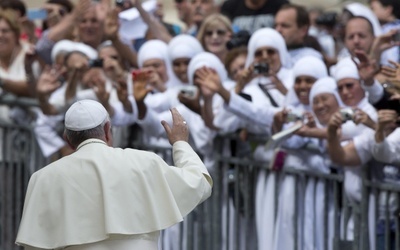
(352, 174)
(100, 193)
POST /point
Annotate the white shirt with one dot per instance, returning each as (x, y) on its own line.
(388, 150)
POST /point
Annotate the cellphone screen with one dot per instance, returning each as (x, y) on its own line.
(37, 14)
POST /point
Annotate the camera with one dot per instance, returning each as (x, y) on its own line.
(293, 117)
(119, 3)
(261, 69)
(189, 91)
(96, 63)
(136, 73)
(239, 39)
(327, 19)
(347, 114)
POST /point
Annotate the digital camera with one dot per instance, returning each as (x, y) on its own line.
(327, 19)
(347, 114)
(293, 117)
(239, 39)
(261, 69)
(189, 91)
(96, 63)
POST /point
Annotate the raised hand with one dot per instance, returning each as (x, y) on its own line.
(367, 68)
(394, 78)
(179, 130)
(111, 25)
(244, 78)
(99, 88)
(81, 8)
(279, 119)
(122, 91)
(386, 118)
(192, 103)
(113, 69)
(208, 80)
(335, 123)
(102, 9)
(361, 117)
(395, 97)
(382, 43)
(48, 82)
(140, 86)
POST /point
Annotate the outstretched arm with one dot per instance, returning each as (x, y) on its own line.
(345, 156)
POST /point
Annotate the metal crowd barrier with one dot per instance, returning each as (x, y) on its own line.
(228, 220)
(20, 157)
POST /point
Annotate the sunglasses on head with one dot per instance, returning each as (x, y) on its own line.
(219, 32)
(179, 1)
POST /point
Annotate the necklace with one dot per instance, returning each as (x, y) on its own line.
(80, 146)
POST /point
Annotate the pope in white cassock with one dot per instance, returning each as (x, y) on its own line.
(106, 198)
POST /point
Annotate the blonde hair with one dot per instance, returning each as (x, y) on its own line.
(210, 21)
(11, 19)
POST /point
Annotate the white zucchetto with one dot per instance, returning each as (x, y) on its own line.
(84, 115)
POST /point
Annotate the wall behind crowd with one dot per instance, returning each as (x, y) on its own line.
(171, 16)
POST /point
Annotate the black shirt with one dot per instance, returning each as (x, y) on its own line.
(249, 19)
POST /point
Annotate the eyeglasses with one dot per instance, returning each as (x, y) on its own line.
(218, 32)
(348, 85)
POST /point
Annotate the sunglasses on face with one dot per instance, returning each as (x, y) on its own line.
(209, 33)
(348, 85)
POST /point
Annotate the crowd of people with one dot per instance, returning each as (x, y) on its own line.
(246, 66)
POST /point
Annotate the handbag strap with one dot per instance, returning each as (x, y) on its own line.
(264, 88)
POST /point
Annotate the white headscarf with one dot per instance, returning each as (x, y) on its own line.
(70, 46)
(157, 49)
(325, 85)
(310, 66)
(305, 66)
(209, 60)
(65, 46)
(271, 38)
(153, 49)
(184, 46)
(345, 68)
(359, 9)
(86, 50)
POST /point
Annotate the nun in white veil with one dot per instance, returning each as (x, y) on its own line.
(267, 46)
(200, 136)
(153, 55)
(266, 99)
(325, 101)
(306, 71)
(346, 70)
(181, 49)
